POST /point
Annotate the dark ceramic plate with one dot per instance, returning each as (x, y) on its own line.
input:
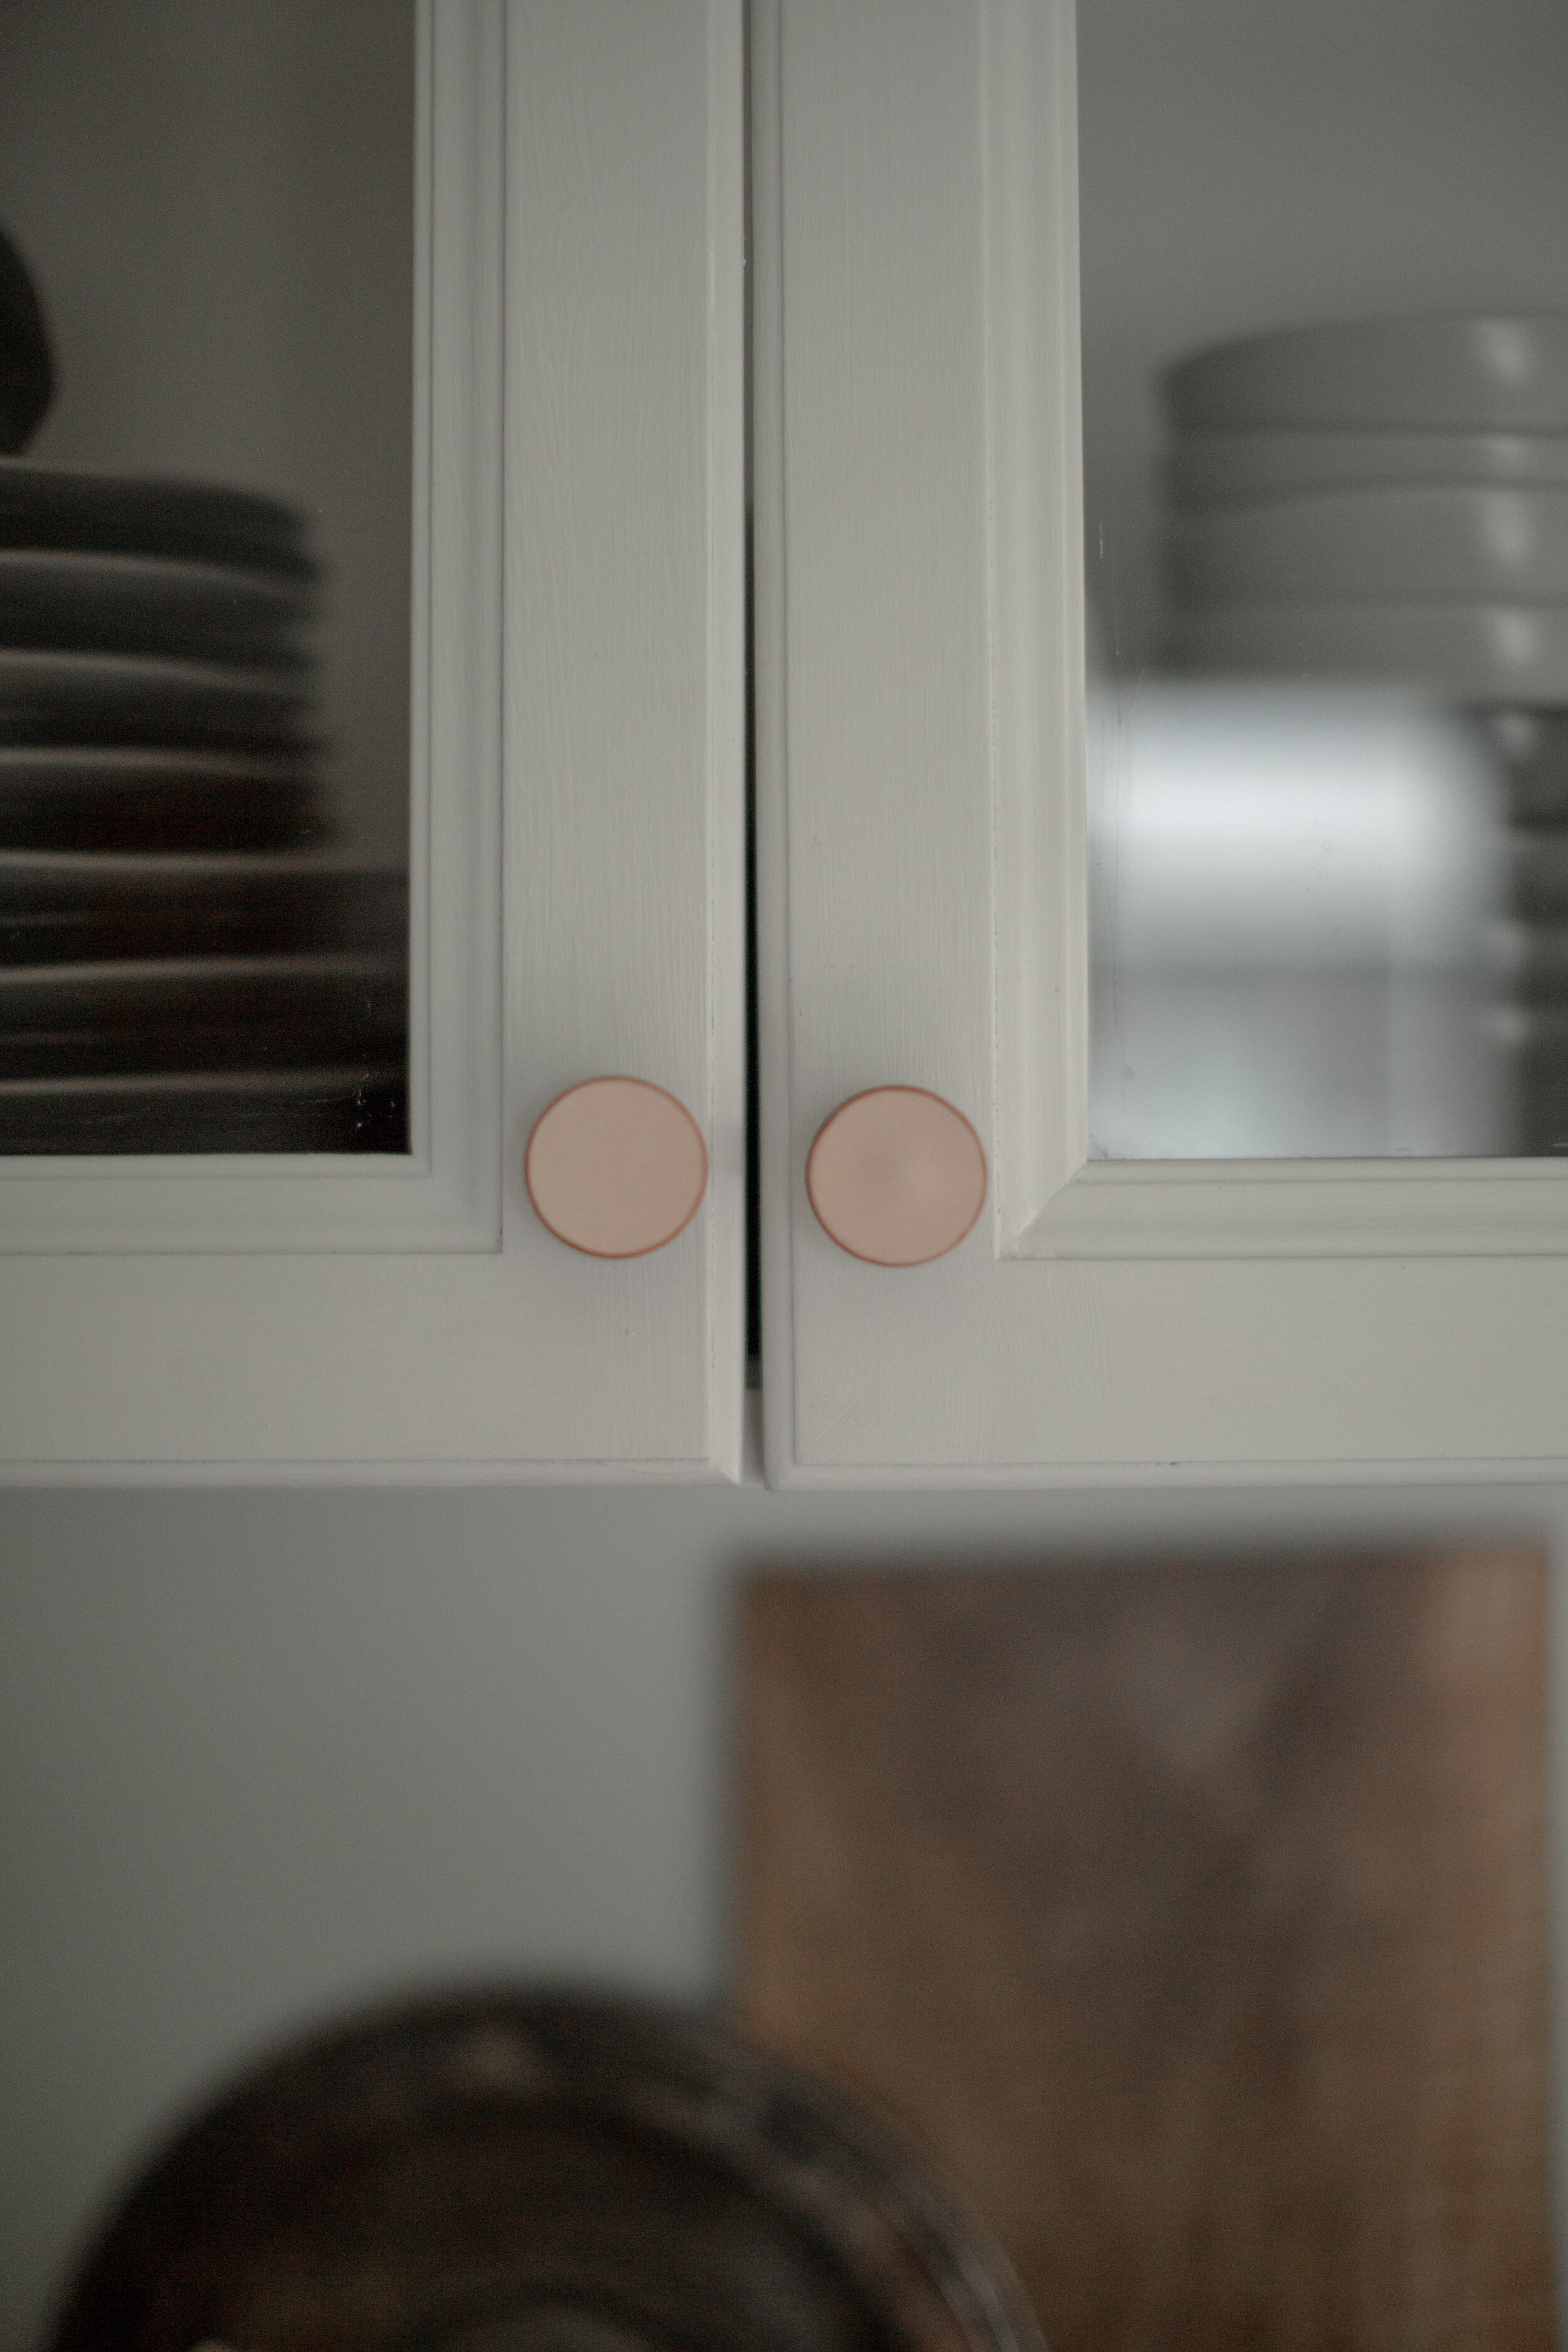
(93, 907)
(220, 1012)
(78, 698)
(61, 600)
(52, 505)
(354, 1109)
(137, 797)
(513, 2173)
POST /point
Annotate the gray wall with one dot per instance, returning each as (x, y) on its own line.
(263, 1756)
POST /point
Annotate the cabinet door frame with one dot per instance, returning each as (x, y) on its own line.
(922, 833)
(444, 1194)
(576, 850)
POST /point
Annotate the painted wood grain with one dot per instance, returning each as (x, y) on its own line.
(1194, 1917)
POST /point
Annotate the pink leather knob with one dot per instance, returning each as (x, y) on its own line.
(615, 1166)
(896, 1176)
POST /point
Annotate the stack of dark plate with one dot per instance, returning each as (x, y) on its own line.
(1388, 500)
(186, 963)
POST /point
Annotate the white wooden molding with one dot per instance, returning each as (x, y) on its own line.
(1029, 82)
(623, 688)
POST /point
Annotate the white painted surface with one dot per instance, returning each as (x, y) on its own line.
(578, 738)
(920, 687)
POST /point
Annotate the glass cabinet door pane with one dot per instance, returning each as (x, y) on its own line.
(207, 289)
(1325, 378)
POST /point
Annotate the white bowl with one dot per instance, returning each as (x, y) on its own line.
(1469, 652)
(1374, 547)
(1207, 471)
(1504, 372)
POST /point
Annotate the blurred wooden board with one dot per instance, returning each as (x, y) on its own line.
(1192, 1915)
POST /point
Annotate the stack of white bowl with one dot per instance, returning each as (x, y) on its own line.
(1387, 501)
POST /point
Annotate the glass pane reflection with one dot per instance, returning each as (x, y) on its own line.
(1295, 908)
(205, 528)
(1325, 333)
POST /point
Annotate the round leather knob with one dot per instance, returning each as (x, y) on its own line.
(896, 1176)
(615, 1166)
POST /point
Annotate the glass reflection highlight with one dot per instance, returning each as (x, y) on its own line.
(1298, 903)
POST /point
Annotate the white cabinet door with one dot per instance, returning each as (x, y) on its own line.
(922, 863)
(576, 853)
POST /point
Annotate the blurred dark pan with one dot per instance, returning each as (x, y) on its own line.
(92, 909)
(79, 699)
(360, 1107)
(63, 600)
(506, 2174)
(236, 1013)
(42, 506)
(135, 797)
